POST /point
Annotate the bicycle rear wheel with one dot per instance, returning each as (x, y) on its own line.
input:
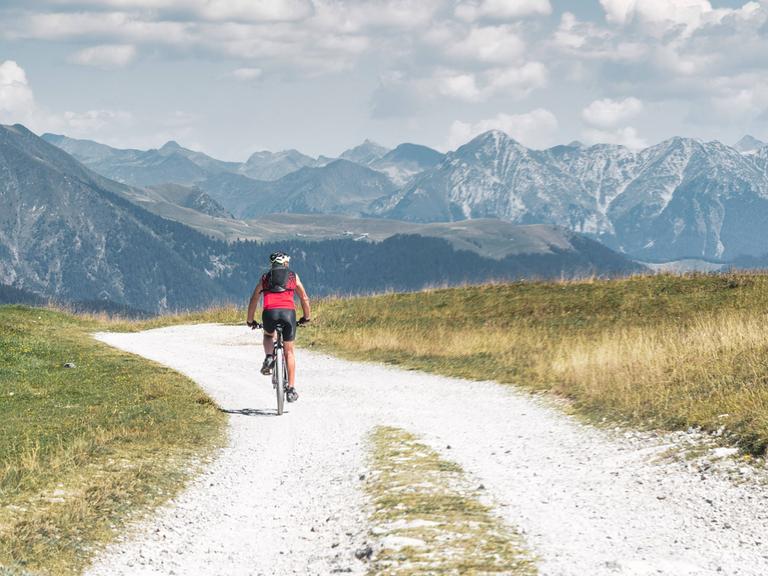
(278, 378)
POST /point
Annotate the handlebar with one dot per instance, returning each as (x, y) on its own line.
(258, 325)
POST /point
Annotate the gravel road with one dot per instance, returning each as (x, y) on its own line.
(284, 496)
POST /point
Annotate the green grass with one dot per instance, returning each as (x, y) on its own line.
(84, 450)
(419, 496)
(666, 351)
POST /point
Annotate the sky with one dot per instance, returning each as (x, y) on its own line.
(230, 77)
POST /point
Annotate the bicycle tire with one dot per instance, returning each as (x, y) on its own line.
(278, 371)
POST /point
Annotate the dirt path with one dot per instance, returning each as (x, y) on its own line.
(284, 496)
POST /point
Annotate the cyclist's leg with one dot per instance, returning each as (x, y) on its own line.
(269, 343)
(269, 321)
(290, 361)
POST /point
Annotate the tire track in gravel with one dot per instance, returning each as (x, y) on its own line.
(284, 496)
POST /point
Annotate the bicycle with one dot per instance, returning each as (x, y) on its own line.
(279, 369)
(279, 366)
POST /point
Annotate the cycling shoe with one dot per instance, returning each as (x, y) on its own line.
(266, 367)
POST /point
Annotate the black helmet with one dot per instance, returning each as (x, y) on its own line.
(279, 258)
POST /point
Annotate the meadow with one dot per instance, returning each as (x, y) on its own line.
(84, 450)
(665, 352)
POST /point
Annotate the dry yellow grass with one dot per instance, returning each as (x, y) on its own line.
(667, 351)
(430, 520)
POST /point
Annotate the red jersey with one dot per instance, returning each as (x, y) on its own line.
(278, 299)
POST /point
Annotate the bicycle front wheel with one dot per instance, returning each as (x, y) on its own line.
(278, 372)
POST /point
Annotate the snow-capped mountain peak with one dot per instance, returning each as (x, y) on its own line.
(749, 145)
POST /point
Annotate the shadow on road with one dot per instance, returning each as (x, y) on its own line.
(251, 412)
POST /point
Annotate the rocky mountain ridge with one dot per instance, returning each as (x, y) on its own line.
(681, 198)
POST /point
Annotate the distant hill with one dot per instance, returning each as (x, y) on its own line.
(365, 153)
(190, 197)
(207, 163)
(488, 237)
(341, 187)
(133, 167)
(412, 262)
(407, 160)
(69, 234)
(267, 165)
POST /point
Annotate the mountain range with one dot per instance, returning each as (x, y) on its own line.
(72, 235)
(682, 198)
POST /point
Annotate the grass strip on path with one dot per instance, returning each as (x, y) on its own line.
(428, 520)
(667, 352)
(85, 449)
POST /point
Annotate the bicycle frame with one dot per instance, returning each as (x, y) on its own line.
(279, 370)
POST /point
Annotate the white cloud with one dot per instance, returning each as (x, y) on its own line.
(247, 74)
(212, 10)
(626, 136)
(685, 12)
(606, 117)
(288, 37)
(364, 15)
(17, 102)
(488, 44)
(471, 10)
(660, 15)
(618, 11)
(255, 10)
(284, 46)
(281, 48)
(459, 86)
(123, 26)
(18, 105)
(607, 113)
(404, 93)
(106, 56)
(535, 129)
(517, 81)
(511, 82)
(586, 40)
(741, 97)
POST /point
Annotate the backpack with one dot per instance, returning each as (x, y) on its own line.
(278, 279)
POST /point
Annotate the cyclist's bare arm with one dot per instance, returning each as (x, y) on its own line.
(303, 298)
(254, 302)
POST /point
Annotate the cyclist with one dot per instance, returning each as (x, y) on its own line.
(278, 286)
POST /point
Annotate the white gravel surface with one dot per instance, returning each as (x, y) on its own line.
(285, 497)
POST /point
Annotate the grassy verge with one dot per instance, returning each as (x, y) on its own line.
(668, 352)
(428, 520)
(83, 449)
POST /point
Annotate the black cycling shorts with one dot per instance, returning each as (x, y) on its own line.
(285, 316)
